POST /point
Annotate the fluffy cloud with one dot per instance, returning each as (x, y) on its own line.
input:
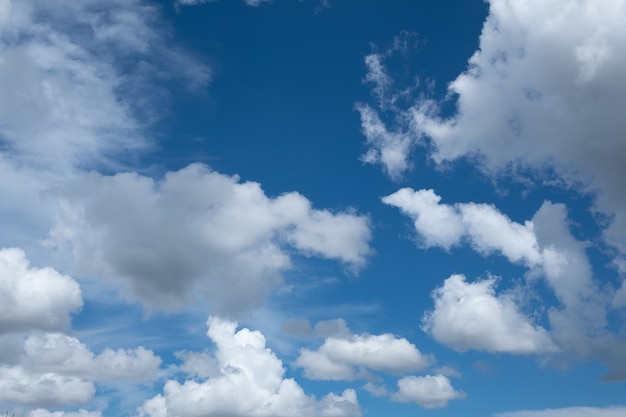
(43, 389)
(568, 412)
(48, 369)
(471, 316)
(250, 382)
(53, 352)
(544, 244)
(34, 298)
(348, 358)
(543, 90)
(79, 90)
(430, 391)
(486, 228)
(198, 229)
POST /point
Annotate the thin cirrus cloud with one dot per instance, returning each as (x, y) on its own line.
(248, 381)
(212, 232)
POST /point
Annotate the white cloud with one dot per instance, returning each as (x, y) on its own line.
(544, 244)
(391, 149)
(348, 358)
(74, 100)
(52, 369)
(470, 316)
(43, 389)
(430, 391)
(486, 228)
(58, 353)
(198, 229)
(80, 413)
(568, 412)
(250, 383)
(34, 298)
(543, 90)
(438, 224)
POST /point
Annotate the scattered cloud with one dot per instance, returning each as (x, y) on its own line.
(250, 382)
(544, 244)
(542, 91)
(34, 298)
(471, 316)
(348, 358)
(430, 391)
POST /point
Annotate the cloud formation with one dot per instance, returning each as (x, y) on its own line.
(541, 94)
(197, 229)
(430, 391)
(34, 298)
(250, 382)
(544, 244)
(471, 316)
(355, 356)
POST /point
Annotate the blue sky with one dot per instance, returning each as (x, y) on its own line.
(312, 208)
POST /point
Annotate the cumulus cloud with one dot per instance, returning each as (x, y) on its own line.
(430, 391)
(484, 226)
(34, 298)
(49, 369)
(543, 90)
(568, 412)
(250, 382)
(471, 316)
(199, 229)
(544, 244)
(43, 389)
(348, 358)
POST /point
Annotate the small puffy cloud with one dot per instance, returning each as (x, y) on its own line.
(471, 316)
(568, 412)
(34, 298)
(430, 391)
(486, 228)
(347, 358)
(437, 224)
(197, 229)
(250, 383)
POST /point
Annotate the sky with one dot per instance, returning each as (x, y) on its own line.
(316, 208)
